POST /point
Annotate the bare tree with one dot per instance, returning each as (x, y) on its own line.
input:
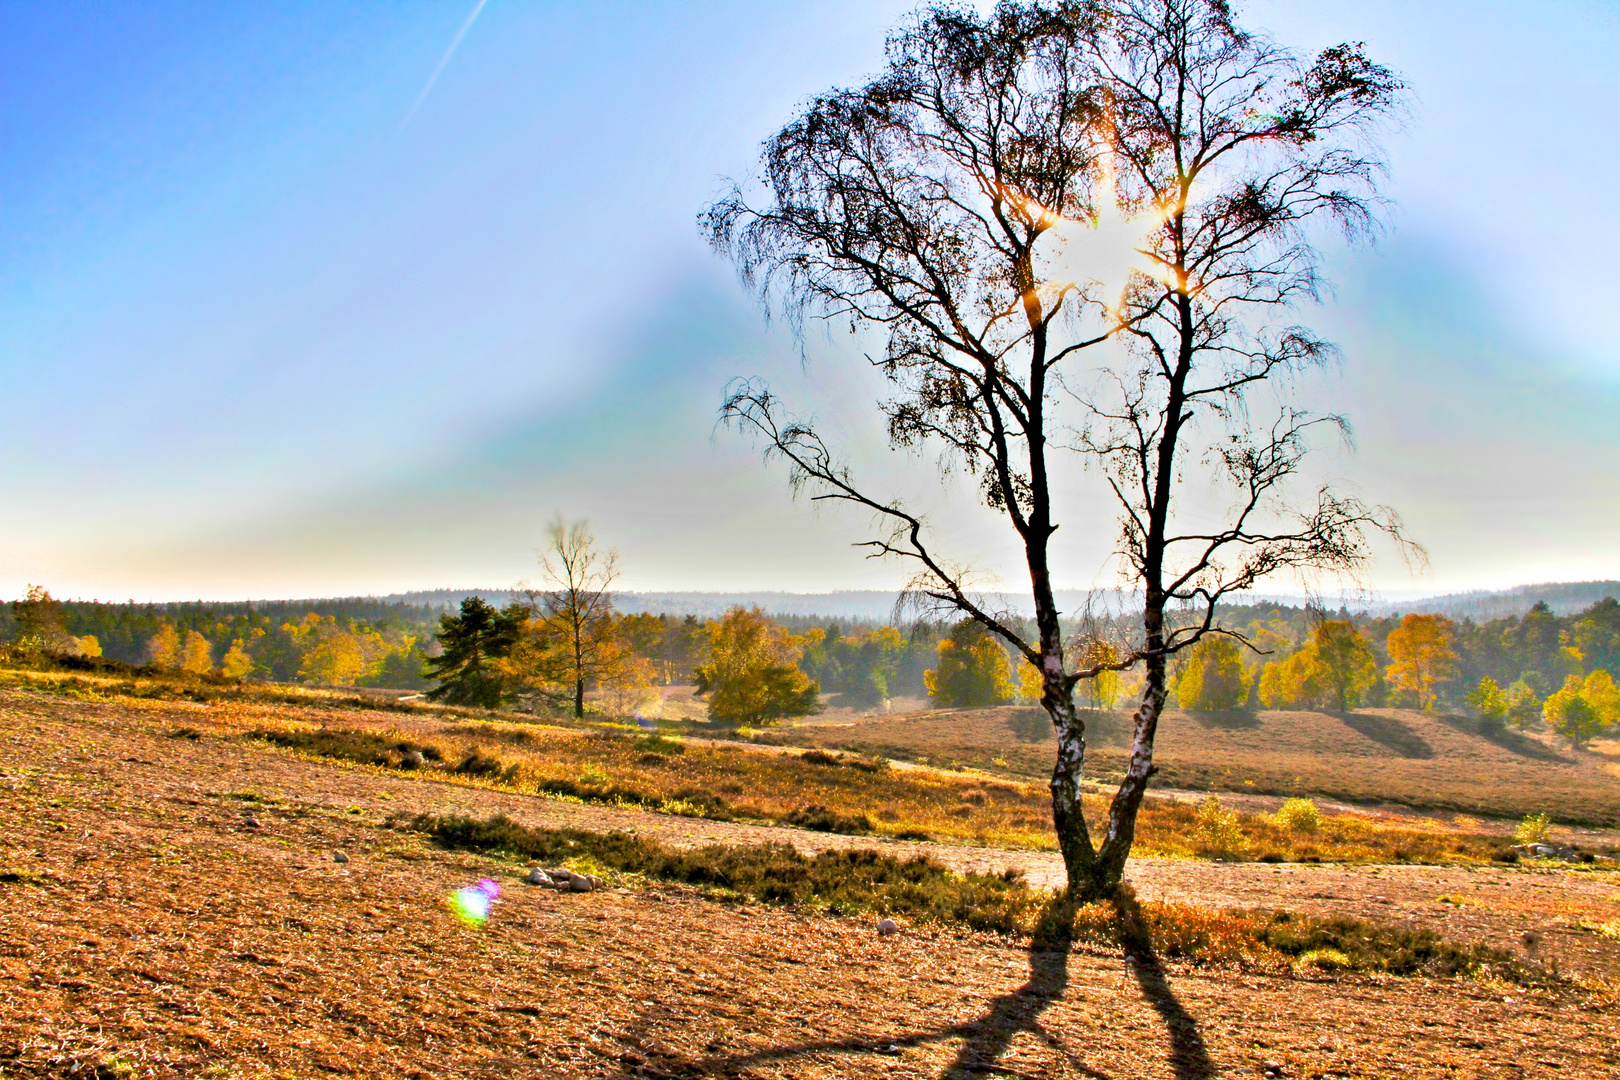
(575, 639)
(934, 204)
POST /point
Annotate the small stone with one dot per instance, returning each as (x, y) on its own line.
(250, 823)
(537, 877)
(339, 857)
(885, 927)
(579, 883)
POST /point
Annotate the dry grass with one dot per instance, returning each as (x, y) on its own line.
(837, 792)
(1372, 756)
(829, 792)
(148, 931)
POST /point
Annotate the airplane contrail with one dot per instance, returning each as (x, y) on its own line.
(448, 53)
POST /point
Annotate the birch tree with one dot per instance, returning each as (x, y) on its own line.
(935, 207)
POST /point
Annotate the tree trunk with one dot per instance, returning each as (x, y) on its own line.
(1109, 868)
(1068, 815)
(579, 699)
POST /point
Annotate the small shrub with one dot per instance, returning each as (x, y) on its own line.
(477, 763)
(1534, 829)
(361, 747)
(1299, 816)
(659, 745)
(822, 819)
(1386, 947)
(1324, 960)
(1218, 831)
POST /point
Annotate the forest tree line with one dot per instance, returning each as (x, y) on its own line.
(1520, 670)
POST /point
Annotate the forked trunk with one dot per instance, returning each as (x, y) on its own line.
(1116, 846)
(1095, 873)
(1068, 815)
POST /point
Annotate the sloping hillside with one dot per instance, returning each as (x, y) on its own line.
(1373, 755)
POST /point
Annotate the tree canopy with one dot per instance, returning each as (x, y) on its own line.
(940, 207)
(752, 673)
(474, 642)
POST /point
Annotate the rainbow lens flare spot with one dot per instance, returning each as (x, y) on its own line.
(471, 904)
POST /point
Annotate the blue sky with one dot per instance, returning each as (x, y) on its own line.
(260, 336)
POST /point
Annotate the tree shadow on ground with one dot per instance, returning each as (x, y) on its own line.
(1512, 741)
(1189, 1056)
(1030, 725)
(1227, 719)
(984, 1040)
(1389, 733)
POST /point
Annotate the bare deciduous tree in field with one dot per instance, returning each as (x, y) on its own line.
(572, 638)
(935, 204)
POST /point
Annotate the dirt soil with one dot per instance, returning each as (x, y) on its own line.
(147, 929)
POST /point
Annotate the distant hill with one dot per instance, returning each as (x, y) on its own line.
(875, 605)
(867, 605)
(1564, 597)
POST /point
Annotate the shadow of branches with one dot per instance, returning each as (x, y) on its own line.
(985, 1039)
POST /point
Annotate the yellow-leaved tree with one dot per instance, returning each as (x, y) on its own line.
(1213, 679)
(163, 648)
(1423, 657)
(196, 655)
(752, 673)
(1583, 708)
(342, 657)
(573, 639)
(1334, 670)
(973, 670)
(1103, 690)
(236, 663)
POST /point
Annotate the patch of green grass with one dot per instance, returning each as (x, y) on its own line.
(852, 881)
(362, 747)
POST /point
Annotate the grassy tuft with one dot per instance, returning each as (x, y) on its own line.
(851, 881)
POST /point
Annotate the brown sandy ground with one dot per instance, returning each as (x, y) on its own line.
(144, 930)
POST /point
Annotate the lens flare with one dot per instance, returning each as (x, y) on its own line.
(471, 904)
